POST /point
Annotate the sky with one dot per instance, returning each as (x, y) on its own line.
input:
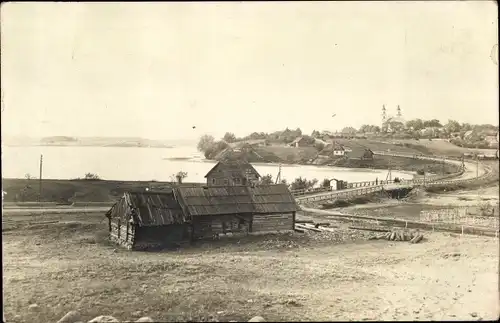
(156, 70)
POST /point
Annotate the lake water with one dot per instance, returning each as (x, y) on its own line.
(116, 163)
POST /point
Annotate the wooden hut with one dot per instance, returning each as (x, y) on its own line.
(141, 220)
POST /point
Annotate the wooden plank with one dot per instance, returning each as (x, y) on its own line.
(304, 221)
(300, 226)
(370, 229)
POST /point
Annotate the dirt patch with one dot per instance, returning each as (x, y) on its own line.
(315, 279)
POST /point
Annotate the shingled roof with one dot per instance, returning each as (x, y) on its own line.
(149, 208)
(182, 203)
(273, 199)
(261, 199)
(230, 168)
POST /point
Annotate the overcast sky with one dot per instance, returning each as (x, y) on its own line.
(157, 69)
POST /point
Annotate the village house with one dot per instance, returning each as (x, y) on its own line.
(360, 154)
(299, 142)
(146, 220)
(491, 140)
(230, 172)
(468, 134)
(338, 150)
(333, 150)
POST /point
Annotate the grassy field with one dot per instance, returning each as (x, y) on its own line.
(69, 265)
(65, 191)
(399, 163)
(439, 146)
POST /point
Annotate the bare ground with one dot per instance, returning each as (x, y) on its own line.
(302, 277)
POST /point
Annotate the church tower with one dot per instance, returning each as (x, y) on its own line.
(399, 112)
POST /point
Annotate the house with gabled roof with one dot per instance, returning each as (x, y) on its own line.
(232, 172)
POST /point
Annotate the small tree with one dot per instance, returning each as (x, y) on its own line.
(180, 176)
(91, 176)
(206, 142)
(303, 184)
(319, 146)
(266, 180)
(28, 176)
(229, 137)
(325, 183)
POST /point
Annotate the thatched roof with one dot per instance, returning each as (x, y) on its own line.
(149, 208)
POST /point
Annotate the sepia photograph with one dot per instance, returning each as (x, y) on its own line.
(250, 161)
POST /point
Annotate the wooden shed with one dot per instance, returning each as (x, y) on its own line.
(299, 142)
(141, 220)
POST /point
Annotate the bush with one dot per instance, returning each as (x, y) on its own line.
(266, 180)
(325, 183)
(303, 184)
(319, 146)
(91, 176)
(420, 172)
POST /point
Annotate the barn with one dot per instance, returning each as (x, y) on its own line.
(144, 220)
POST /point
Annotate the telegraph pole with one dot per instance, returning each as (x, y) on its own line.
(40, 180)
(278, 177)
(477, 166)
(389, 172)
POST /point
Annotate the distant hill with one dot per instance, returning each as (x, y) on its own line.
(92, 142)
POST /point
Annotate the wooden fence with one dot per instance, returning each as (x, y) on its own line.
(367, 187)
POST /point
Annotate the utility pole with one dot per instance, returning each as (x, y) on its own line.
(477, 166)
(40, 180)
(278, 177)
(389, 172)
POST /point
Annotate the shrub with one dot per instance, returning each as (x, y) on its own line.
(91, 176)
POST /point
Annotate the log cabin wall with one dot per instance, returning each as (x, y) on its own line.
(159, 237)
(273, 222)
(122, 233)
(211, 225)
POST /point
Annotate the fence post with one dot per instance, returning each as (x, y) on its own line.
(462, 230)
